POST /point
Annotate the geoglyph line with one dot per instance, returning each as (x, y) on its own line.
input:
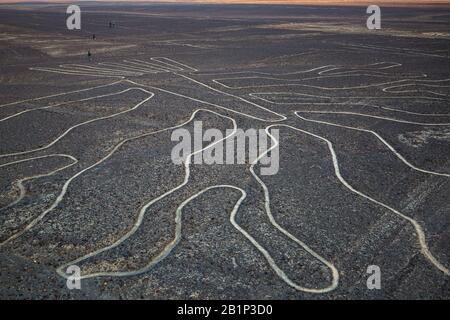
(347, 102)
(60, 94)
(132, 67)
(377, 117)
(169, 247)
(19, 183)
(63, 104)
(390, 147)
(163, 64)
(386, 86)
(65, 187)
(258, 94)
(418, 229)
(323, 69)
(82, 124)
(67, 183)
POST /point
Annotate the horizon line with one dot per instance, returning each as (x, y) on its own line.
(268, 2)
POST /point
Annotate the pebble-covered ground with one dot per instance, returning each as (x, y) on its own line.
(362, 176)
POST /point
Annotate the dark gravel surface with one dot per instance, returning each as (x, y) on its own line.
(389, 86)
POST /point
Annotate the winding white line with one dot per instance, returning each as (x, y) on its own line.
(419, 231)
(398, 155)
(125, 67)
(60, 94)
(141, 65)
(84, 123)
(168, 65)
(410, 112)
(62, 104)
(376, 117)
(169, 247)
(176, 94)
(76, 73)
(67, 183)
(102, 70)
(257, 95)
(143, 210)
(260, 248)
(211, 104)
(155, 66)
(334, 271)
(287, 84)
(173, 62)
(380, 84)
(172, 42)
(263, 73)
(174, 66)
(282, 117)
(326, 67)
(391, 84)
(19, 183)
(390, 89)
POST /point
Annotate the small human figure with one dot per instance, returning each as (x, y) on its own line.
(110, 25)
(93, 36)
(89, 54)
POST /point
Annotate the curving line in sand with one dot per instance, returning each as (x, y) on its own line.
(76, 73)
(172, 63)
(281, 117)
(361, 104)
(391, 148)
(143, 210)
(129, 68)
(62, 104)
(376, 117)
(418, 229)
(126, 67)
(82, 124)
(173, 66)
(60, 94)
(380, 84)
(218, 106)
(178, 229)
(262, 250)
(263, 73)
(67, 183)
(211, 104)
(390, 89)
(154, 66)
(102, 70)
(390, 84)
(147, 66)
(257, 96)
(19, 183)
(410, 112)
(324, 69)
(334, 271)
(169, 247)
